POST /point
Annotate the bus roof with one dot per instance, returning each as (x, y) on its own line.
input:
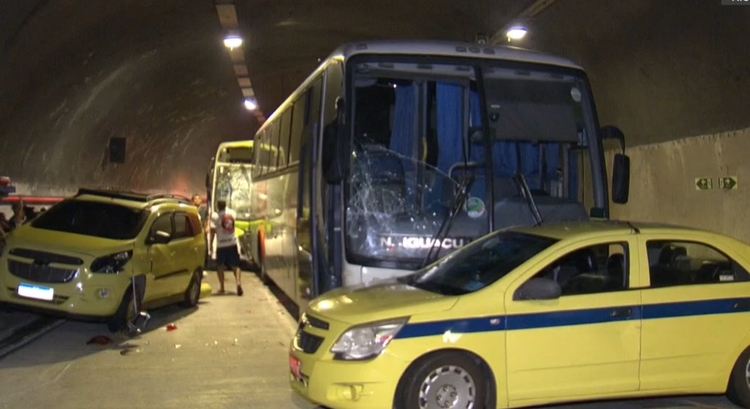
(231, 144)
(439, 48)
(451, 49)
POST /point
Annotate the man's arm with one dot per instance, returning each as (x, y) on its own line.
(211, 227)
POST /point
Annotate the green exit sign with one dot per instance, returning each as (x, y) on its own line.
(703, 184)
(728, 182)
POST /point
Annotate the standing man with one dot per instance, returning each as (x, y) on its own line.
(202, 209)
(205, 224)
(227, 254)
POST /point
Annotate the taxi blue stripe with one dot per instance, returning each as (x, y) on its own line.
(568, 318)
(423, 329)
(575, 317)
(690, 308)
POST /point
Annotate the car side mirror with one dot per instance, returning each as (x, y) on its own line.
(160, 237)
(538, 289)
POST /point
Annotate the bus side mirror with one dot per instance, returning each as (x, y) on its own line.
(620, 166)
(335, 145)
(621, 178)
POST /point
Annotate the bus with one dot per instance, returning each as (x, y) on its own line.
(230, 178)
(400, 152)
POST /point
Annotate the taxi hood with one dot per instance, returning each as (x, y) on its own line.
(380, 301)
(53, 241)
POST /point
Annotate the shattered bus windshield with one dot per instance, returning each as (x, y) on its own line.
(234, 184)
(421, 129)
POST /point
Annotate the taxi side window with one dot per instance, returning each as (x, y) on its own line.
(182, 226)
(595, 269)
(195, 225)
(673, 263)
(163, 223)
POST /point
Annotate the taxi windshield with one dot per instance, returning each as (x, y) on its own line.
(479, 264)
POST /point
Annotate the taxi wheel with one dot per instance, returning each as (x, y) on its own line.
(125, 313)
(738, 390)
(444, 380)
(193, 291)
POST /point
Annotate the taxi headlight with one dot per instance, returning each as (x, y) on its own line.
(366, 341)
(112, 263)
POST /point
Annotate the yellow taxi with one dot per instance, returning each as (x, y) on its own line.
(538, 315)
(90, 256)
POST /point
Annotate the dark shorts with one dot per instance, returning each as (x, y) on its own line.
(228, 257)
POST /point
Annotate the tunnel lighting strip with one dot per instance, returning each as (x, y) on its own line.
(536, 8)
(227, 13)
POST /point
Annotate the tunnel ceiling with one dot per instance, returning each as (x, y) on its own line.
(76, 73)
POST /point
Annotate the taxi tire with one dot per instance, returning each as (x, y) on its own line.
(407, 393)
(193, 290)
(738, 389)
(119, 321)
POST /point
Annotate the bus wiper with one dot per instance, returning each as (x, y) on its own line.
(457, 202)
(526, 192)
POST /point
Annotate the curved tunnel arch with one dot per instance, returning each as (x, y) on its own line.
(163, 83)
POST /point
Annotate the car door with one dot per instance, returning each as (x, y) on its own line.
(161, 257)
(696, 311)
(183, 249)
(587, 341)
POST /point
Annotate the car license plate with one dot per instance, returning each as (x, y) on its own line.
(295, 367)
(37, 292)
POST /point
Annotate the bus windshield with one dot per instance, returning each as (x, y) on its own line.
(420, 130)
(232, 178)
(233, 183)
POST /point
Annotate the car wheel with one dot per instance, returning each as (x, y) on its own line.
(119, 321)
(193, 291)
(441, 381)
(738, 390)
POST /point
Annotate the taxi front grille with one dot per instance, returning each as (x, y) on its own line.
(317, 323)
(307, 342)
(40, 273)
(45, 257)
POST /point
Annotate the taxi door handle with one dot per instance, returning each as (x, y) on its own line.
(621, 312)
(742, 305)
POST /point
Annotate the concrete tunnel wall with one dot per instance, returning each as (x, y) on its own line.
(663, 186)
(76, 74)
(674, 75)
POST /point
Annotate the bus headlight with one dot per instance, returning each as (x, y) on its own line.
(366, 341)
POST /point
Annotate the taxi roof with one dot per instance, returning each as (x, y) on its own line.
(564, 230)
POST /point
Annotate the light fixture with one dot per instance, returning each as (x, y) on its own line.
(233, 41)
(516, 33)
(250, 104)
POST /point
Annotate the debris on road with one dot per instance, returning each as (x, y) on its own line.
(99, 340)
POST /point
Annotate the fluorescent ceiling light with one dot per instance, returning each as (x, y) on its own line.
(516, 33)
(232, 42)
(250, 104)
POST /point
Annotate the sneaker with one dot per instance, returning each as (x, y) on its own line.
(239, 291)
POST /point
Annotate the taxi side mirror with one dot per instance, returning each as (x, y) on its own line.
(538, 289)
